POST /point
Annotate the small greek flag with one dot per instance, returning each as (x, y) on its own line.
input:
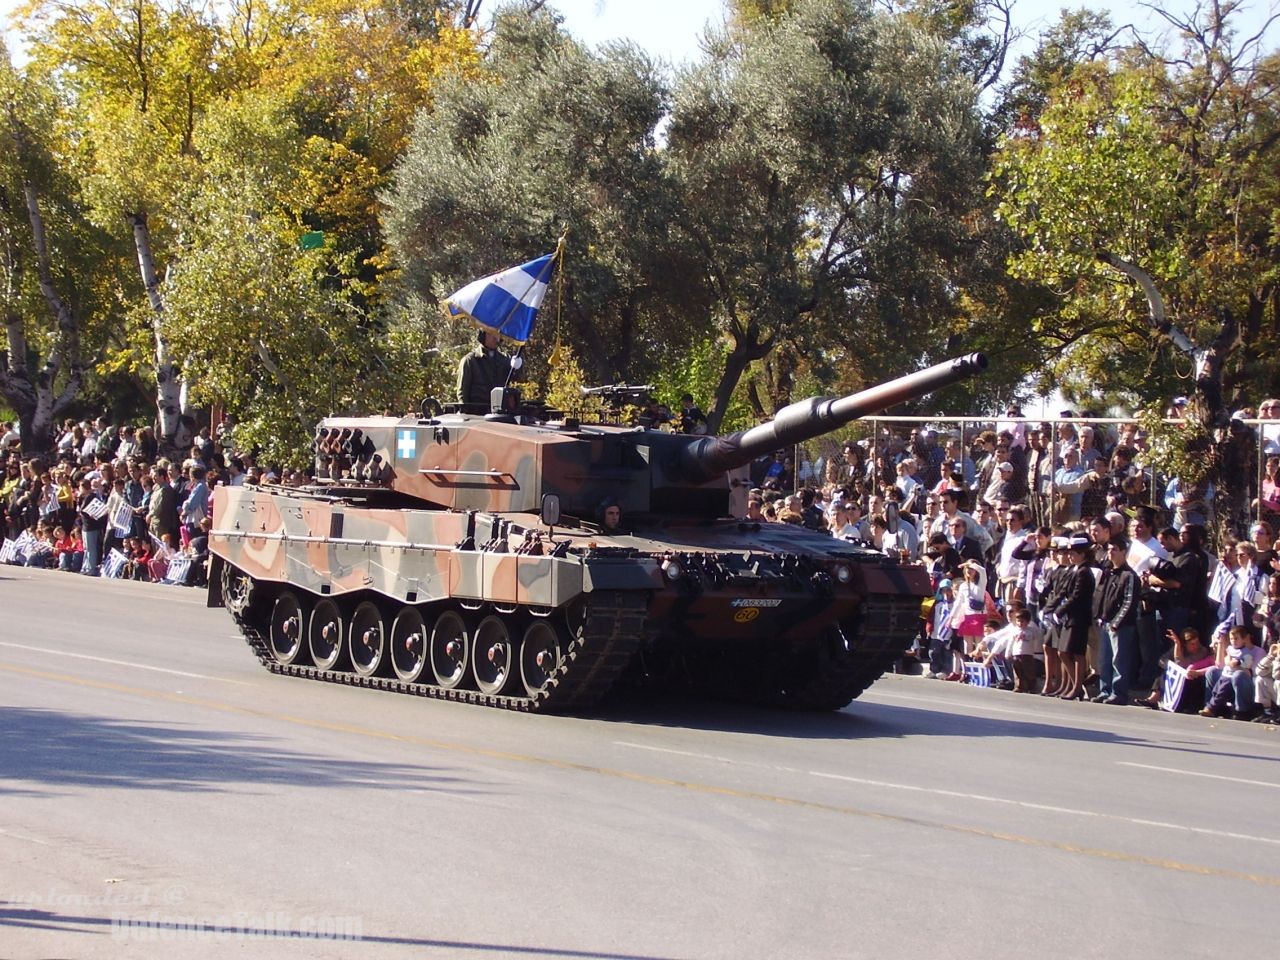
(1171, 687)
(506, 302)
(114, 565)
(179, 567)
(977, 674)
(23, 546)
(1220, 585)
(95, 508)
(122, 521)
(9, 552)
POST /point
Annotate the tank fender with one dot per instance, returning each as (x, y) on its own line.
(621, 575)
(214, 597)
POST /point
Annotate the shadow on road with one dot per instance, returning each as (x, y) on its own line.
(42, 749)
(868, 720)
(167, 930)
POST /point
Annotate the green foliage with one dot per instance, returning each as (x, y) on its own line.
(1184, 449)
(697, 371)
(548, 137)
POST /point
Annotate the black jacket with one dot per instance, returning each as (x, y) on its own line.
(1115, 603)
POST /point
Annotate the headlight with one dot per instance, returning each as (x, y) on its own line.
(842, 573)
(672, 570)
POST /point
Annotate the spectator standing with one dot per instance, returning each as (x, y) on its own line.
(1116, 605)
(93, 528)
(1072, 612)
(1070, 482)
(1010, 570)
(162, 511)
(196, 505)
(973, 606)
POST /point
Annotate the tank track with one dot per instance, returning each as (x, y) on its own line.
(886, 627)
(611, 630)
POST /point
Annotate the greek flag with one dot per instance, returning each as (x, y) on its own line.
(114, 565)
(506, 302)
(1175, 680)
(9, 552)
(179, 567)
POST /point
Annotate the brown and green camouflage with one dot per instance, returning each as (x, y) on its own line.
(424, 542)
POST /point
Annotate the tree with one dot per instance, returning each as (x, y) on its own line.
(1118, 194)
(836, 199)
(549, 137)
(46, 255)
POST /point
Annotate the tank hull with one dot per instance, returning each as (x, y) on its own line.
(554, 619)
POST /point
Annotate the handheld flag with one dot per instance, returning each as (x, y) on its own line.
(506, 303)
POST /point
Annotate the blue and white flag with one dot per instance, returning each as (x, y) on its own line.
(179, 567)
(506, 302)
(1175, 681)
(113, 566)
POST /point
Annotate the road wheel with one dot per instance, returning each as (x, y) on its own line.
(324, 636)
(450, 644)
(409, 645)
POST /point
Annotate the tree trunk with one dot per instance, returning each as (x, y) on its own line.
(33, 397)
(168, 381)
(745, 349)
(1232, 464)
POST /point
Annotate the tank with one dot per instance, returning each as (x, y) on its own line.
(464, 557)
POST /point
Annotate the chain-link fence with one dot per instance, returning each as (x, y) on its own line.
(1099, 481)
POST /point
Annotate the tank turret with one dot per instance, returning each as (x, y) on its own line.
(508, 462)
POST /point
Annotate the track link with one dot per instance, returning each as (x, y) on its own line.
(610, 633)
(885, 629)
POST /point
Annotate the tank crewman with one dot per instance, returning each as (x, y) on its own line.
(609, 516)
(481, 370)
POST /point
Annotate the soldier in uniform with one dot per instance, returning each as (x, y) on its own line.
(481, 370)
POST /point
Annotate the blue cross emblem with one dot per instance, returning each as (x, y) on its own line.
(406, 444)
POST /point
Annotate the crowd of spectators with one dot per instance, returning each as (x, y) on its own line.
(106, 502)
(1058, 566)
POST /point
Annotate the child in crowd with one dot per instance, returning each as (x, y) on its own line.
(1027, 644)
(942, 639)
(40, 553)
(973, 605)
(68, 549)
(993, 651)
(1231, 682)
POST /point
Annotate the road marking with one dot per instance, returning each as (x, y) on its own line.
(21, 836)
(1107, 719)
(631, 776)
(978, 797)
(1048, 808)
(1194, 773)
(122, 663)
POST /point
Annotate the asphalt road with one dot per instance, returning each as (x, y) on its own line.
(152, 773)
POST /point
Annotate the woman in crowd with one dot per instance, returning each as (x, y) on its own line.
(92, 500)
(973, 605)
(1072, 613)
(1263, 536)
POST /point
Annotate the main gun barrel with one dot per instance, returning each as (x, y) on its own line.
(708, 457)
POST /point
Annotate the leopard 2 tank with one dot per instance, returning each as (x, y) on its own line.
(463, 557)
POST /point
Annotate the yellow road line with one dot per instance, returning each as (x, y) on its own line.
(1097, 853)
